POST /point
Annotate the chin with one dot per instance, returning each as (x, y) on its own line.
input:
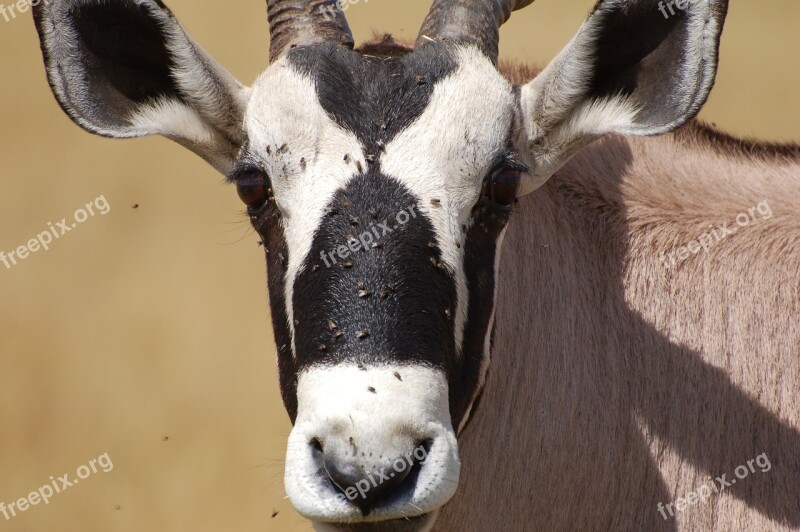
(421, 523)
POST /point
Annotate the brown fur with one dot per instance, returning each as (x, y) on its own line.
(617, 383)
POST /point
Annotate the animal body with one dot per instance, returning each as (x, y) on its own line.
(500, 301)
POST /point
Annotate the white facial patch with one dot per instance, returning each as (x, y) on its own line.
(448, 151)
(382, 412)
(305, 162)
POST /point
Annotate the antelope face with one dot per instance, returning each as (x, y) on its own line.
(381, 182)
(381, 206)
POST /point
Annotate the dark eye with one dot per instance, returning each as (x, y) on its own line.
(253, 188)
(503, 186)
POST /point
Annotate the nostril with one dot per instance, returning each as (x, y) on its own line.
(316, 444)
(365, 489)
(424, 446)
(369, 485)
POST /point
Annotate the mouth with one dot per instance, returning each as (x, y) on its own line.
(372, 448)
(399, 485)
(420, 523)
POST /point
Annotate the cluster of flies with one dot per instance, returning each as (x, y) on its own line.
(362, 291)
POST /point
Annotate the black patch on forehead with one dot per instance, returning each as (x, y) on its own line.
(393, 303)
(374, 97)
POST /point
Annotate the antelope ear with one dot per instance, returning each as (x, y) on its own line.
(127, 69)
(635, 67)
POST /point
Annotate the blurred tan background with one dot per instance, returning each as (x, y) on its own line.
(144, 332)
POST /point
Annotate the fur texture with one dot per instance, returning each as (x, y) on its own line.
(637, 382)
(619, 381)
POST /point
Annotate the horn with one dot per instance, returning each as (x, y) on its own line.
(302, 22)
(469, 22)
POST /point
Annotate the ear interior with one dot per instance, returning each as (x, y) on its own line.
(125, 53)
(126, 68)
(105, 59)
(658, 62)
(629, 70)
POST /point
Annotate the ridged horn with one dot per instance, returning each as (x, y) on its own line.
(303, 22)
(469, 22)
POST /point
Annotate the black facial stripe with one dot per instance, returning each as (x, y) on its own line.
(480, 256)
(397, 293)
(277, 253)
(373, 97)
(479, 265)
(394, 303)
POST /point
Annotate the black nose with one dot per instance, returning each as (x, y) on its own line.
(367, 487)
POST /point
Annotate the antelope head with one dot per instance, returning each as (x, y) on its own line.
(381, 181)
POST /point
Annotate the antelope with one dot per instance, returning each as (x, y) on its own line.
(576, 384)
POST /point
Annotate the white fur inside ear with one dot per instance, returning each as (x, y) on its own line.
(558, 118)
(183, 124)
(211, 89)
(551, 146)
(171, 118)
(204, 112)
(561, 117)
